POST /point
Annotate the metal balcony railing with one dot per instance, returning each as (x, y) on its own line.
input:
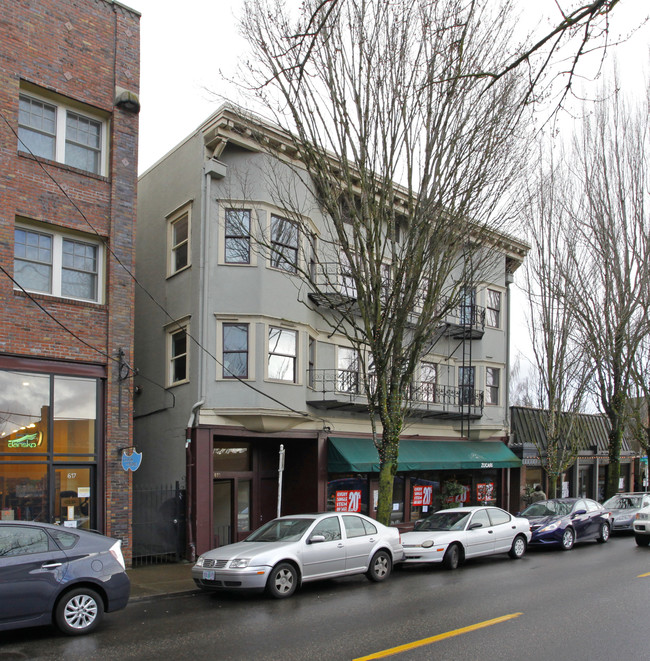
(343, 390)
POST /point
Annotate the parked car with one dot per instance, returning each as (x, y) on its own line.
(623, 508)
(642, 526)
(451, 536)
(50, 574)
(565, 521)
(291, 550)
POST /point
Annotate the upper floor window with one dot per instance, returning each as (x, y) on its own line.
(428, 381)
(284, 244)
(177, 350)
(283, 353)
(56, 264)
(347, 376)
(493, 309)
(467, 307)
(179, 241)
(235, 351)
(466, 382)
(237, 236)
(492, 378)
(52, 130)
(311, 368)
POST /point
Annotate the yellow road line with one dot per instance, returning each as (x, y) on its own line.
(440, 636)
(643, 575)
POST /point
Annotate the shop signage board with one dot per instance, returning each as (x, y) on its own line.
(348, 501)
(422, 495)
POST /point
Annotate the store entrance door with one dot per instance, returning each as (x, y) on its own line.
(231, 510)
(74, 502)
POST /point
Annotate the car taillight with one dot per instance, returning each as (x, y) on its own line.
(116, 552)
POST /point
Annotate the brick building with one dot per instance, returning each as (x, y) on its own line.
(69, 83)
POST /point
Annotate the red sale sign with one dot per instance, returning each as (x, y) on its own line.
(348, 501)
(422, 495)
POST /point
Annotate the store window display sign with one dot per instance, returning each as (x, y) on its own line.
(24, 438)
(348, 501)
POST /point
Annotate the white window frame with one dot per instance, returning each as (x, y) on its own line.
(429, 388)
(182, 325)
(278, 253)
(344, 371)
(62, 108)
(249, 321)
(488, 308)
(56, 265)
(242, 236)
(489, 387)
(172, 247)
(296, 356)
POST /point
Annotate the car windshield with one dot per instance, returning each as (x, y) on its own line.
(444, 521)
(548, 508)
(280, 530)
(623, 502)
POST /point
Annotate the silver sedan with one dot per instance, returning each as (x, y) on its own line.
(291, 550)
(453, 535)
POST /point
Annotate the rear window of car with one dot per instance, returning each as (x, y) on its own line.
(498, 516)
(21, 540)
(65, 540)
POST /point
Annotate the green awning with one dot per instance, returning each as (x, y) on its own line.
(359, 455)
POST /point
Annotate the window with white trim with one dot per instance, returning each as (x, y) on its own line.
(493, 309)
(428, 382)
(235, 351)
(284, 244)
(492, 383)
(178, 354)
(58, 264)
(347, 375)
(283, 354)
(178, 233)
(51, 129)
(237, 240)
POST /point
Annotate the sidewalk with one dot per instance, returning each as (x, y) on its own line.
(160, 580)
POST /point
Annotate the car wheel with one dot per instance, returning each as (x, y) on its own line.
(604, 533)
(451, 559)
(568, 539)
(282, 581)
(642, 540)
(518, 547)
(380, 567)
(79, 611)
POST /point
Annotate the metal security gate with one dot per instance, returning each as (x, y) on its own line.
(159, 524)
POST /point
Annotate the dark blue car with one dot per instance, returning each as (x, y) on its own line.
(51, 574)
(565, 521)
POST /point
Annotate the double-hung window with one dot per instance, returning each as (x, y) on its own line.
(235, 351)
(284, 244)
(492, 378)
(237, 236)
(177, 347)
(283, 354)
(52, 130)
(428, 382)
(347, 377)
(493, 308)
(466, 381)
(56, 264)
(178, 233)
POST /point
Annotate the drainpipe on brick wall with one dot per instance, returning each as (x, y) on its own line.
(189, 466)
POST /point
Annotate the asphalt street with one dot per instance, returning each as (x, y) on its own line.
(587, 604)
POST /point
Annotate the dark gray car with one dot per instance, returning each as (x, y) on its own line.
(50, 574)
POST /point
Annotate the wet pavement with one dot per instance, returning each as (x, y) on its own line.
(160, 580)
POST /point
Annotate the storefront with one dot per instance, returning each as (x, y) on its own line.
(50, 443)
(431, 475)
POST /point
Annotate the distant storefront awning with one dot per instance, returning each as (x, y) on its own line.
(359, 455)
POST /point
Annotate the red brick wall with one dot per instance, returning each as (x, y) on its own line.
(81, 49)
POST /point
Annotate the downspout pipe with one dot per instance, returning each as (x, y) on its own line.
(189, 474)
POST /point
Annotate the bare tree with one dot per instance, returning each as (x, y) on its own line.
(561, 371)
(407, 173)
(639, 404)
(608, 204)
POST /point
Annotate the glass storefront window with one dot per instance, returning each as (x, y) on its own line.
(348, 494)
(24, 413)
(425, 494)
(243, 505)
(23, 492)
(397, 511)
(75, 415)
(231, 456)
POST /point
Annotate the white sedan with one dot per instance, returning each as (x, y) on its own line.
(451, 536)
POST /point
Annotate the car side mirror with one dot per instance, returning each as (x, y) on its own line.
(316, 539)
(579, 512)
(474, 526)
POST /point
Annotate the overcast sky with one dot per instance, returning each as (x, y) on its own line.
(189, 49)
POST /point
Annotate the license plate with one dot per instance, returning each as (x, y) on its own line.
(208, 575)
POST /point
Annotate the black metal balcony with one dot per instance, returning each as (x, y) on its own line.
(343, 390)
